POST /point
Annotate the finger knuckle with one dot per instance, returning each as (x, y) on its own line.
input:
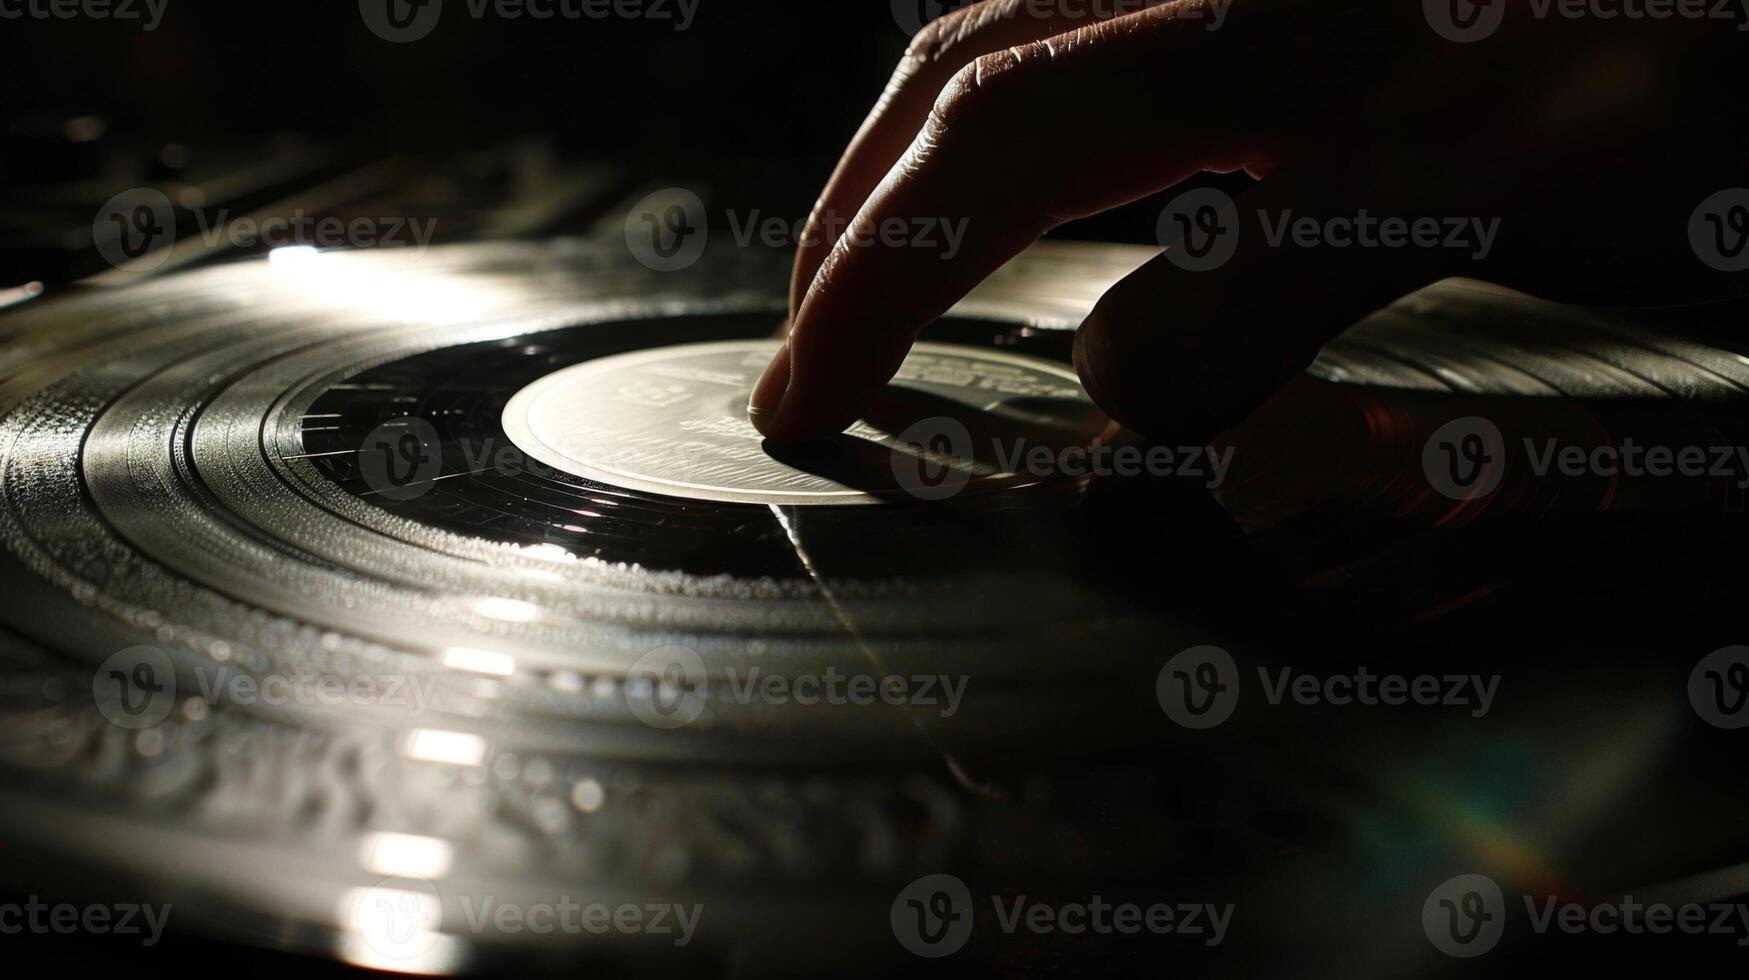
(993, 90)
(942, 36)
(947, 38)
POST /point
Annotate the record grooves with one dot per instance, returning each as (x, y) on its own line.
(304, 470)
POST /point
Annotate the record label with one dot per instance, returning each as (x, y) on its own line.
(673, 421)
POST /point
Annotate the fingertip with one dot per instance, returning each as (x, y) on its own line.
(767, 396)
(1084, 358)
(1175, 383)
(794, 420)
(781, 411)
(1093, 358)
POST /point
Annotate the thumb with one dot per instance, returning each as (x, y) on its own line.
(1248, 291)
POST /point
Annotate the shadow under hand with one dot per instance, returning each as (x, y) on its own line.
(1010, 427)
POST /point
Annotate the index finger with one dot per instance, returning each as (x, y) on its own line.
(1018, 142)
(940, 49)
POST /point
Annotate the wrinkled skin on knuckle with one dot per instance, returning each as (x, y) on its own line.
(992, 103)
(940, 38)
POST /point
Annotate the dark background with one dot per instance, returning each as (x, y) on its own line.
(757, 99)
(252, 102)
(785, 79)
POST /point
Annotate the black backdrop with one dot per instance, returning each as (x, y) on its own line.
(753, 79)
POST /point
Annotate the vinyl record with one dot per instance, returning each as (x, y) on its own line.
(405, 580)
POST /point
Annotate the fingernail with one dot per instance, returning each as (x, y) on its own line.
(768, 393)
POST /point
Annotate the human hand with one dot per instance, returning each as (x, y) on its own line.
(1575, 150)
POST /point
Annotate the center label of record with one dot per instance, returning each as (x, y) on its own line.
(673, 421)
